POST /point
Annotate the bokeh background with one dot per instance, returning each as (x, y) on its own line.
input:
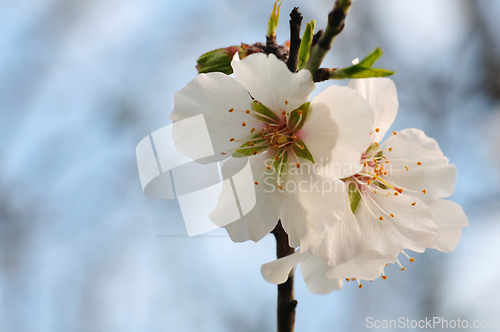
(82, 82)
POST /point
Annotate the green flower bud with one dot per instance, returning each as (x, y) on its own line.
(272, 23)
(219, 60)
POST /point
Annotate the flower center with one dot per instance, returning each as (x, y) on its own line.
(273, 132)
(372, 179)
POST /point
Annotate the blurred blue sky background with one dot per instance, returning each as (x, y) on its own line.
(82, 82)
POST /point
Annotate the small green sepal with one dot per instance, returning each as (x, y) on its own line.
(354, 196)
(302, 151)
(261, 109)
(279, 164)
(293, 122)
(249, 151)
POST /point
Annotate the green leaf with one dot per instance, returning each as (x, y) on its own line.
(260, 108)
(302, 153)
(294, 116)
(371, 58)
(354, 196)
(363, 69)
(279, 164)
(358, 72)
(305, 44)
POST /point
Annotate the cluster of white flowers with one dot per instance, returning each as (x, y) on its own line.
(382, 198)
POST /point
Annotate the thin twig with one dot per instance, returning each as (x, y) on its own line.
(295, 23)
(286, 302)
(336, 20)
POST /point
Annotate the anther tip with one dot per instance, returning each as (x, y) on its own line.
(404, 268)
(384, 277)
(412, 260)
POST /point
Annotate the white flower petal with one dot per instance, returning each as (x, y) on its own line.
(313, 203)
(342, 239)
(412, 143)
(262, 219)
(319, 133)
(411, 227)
(428, 168)
(381, 93)
(314, 272)
(450, 218)
(271, 83)
(366, 265)
(354, 118)
(277, 271)
(213, 95)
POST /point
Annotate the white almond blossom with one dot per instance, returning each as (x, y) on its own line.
(263, 115)
(397, 199)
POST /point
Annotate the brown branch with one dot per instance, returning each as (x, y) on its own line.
(286, 302)
(336, 20)
(293, 55)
